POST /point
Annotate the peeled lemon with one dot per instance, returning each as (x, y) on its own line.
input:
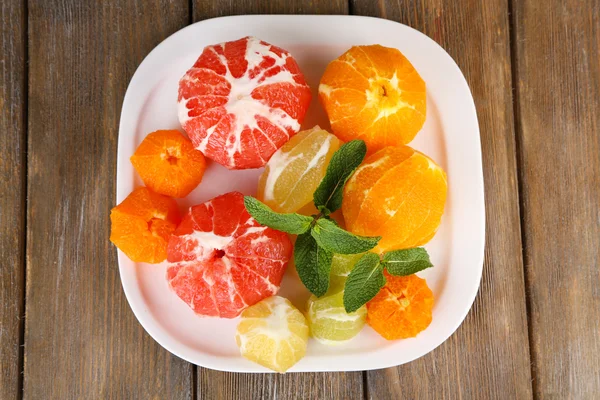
(295, 170)
(273, 333)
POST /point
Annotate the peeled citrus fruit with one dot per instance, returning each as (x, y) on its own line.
(295, 170)
(273, 333)
(341, 266)
(402, 308)
(221, 260)
(328, 320)
(241, 101)
(397, 193)
(142, 223)
(373, 93)
(168, 163)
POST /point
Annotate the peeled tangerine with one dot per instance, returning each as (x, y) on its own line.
(402, 308)
(374, 93)
(168, 163)
(140, 226)
(273, 333)
(294, 172)
(397, 193)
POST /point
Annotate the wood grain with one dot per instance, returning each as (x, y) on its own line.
(488, 357)
(81, 338)
(558, 102)
(217, 8)
(221, 385)
(13, 98)
(213, 385)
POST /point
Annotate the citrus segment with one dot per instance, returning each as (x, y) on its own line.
(294, 172)
(241, 101)
(142, 223)
(221, 260)
(399, 194)
(341, 266)
(273, 333)
(168, 163)
(328, 320)
(402, 308)
(373, 93)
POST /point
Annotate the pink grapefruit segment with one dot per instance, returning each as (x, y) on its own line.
(241, 101)
(222, 261)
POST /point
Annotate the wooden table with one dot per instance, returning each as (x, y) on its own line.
(66, 330)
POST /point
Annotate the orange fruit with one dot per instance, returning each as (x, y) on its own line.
(221, 260)
(241, 101)
(142, 224)
(373, 93)
(397, 193)
(168, 163)
(402, 308)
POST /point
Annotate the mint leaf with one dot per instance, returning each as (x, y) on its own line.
(364, 282)
(290, 223)
(328, 196)
(313, 264)
(333, 238)
(406, 262)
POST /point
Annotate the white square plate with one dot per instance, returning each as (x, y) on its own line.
(450, 136)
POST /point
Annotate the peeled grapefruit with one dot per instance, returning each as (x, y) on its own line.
(241, 101)
(221, 260)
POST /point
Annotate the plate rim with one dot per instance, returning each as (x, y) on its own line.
(209, 362)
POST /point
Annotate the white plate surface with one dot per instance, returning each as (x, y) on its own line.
(450, 136)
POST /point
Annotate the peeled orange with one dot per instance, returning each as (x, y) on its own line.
(397, 193)
(375, 94)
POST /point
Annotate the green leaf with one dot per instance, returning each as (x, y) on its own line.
(364, 282)
(313, 264)
(328, 196)
(290, 223)
(406, 262)
(333, 238)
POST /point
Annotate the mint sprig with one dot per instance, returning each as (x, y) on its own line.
(407, 262)
(329, 194)
(333, 238)
(367, 278)
(291, 223)
(313, 264)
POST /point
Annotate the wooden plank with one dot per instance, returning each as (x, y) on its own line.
(558, 102)
(13, 99)
(216, 8)
(488, 356)
(81, 338)
(221, 385)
